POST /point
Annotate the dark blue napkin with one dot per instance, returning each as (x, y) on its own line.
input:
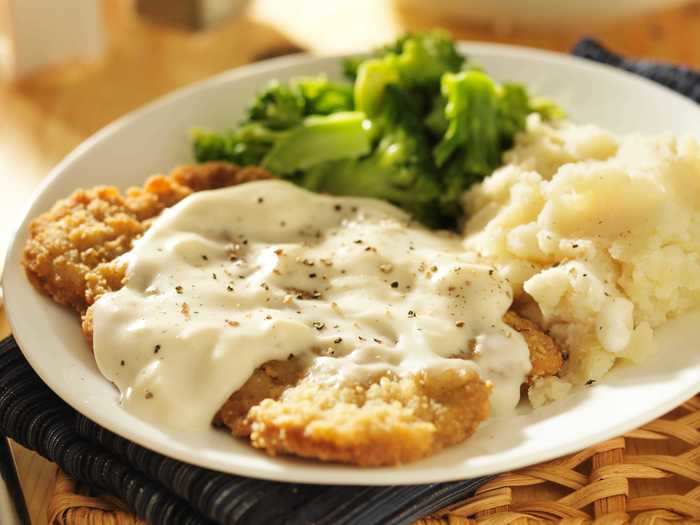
(684, 80)
(168, 492)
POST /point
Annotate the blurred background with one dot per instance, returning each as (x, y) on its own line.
(69, 67)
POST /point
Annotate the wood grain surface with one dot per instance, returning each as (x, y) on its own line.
(46, 115)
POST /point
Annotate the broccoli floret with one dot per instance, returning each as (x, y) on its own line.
(283, 115)
(480, 119)
(277, 107)
(420, 58)
(399, 169)
(416, 62)
(316, 139)
(246, 145)
(417, 128)
(323, 97)
(281, 106)
(473, 131)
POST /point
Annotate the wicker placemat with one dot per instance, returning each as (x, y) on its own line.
(648, 476)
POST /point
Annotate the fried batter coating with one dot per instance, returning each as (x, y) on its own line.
(545, 355)
(391, 421)
(70, 256)
(70, 248)
(267, 382)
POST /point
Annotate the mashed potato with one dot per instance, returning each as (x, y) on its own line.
(599, 237)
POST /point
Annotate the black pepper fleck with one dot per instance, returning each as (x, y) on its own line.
(319, 325)
(395, 284)
(178, 289)
(156, 349)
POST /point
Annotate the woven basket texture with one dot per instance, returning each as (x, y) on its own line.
(650, 476)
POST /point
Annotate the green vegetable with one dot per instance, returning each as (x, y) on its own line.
(245, 145)
(276, 119)
(319, 139)
(417, 127)
(420, 58)
(399, 169)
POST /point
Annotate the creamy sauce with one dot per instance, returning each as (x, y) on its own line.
(229, 279)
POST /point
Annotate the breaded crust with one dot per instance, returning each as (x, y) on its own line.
(70, 256)
(68, 244)
(545, 354)
(392, 420)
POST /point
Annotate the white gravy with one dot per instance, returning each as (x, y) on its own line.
(229, 279)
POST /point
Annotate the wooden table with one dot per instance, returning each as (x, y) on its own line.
(45, 116)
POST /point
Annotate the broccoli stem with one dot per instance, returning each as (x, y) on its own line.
(320, 139)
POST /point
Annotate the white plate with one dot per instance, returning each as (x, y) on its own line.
(156, 139)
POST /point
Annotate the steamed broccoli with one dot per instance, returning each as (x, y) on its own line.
(417, 127)
(420, 58)
(316, 139)
(399, 169)
(281, 106)
(479, 120)
(319, 139)
(245, 145)
(290, 127)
